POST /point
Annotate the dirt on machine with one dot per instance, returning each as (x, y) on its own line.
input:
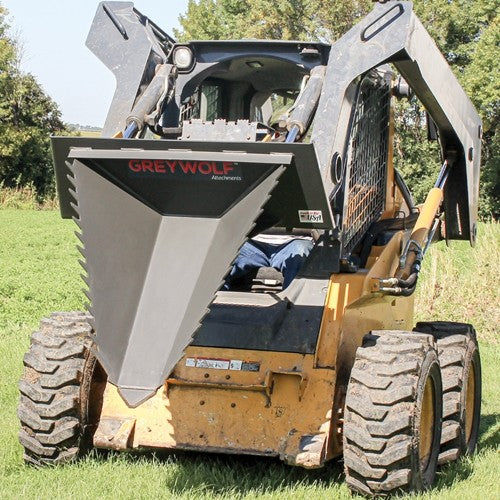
(207, 144)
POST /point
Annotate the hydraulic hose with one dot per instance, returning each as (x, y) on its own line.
(152, 98)
(400, 286)
(306, 103)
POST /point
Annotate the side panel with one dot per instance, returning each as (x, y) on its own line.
(352, 310)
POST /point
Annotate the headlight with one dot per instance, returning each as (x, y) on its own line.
(183, 58)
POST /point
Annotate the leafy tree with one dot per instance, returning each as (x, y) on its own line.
(27, 118)
(335, 18)
(468, 33)
(481, 79)
(417, 159)
(281, 19)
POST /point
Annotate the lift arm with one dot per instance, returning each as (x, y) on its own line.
(392, 33)
(132, 47)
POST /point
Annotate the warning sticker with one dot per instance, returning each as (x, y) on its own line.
(235, 364)
(216, 364)
(250, 366)
(223, 364)
(310, 216)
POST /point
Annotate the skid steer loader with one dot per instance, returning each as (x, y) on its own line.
(197, 156)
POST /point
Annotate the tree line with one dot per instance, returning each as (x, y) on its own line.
(28, 116)
(466, 31)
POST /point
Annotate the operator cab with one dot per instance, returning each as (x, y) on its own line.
(241, 91)
(251, 80)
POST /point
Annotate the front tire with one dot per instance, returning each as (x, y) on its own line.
(59, 380)
(392, 425)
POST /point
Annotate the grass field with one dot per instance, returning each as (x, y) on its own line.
(39, 273)
(90, 133)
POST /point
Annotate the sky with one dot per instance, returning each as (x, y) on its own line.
(53, 34)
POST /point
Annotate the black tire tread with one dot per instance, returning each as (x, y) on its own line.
(453, 341)
(50, 405)
(378, 411)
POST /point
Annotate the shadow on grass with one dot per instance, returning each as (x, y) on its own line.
(239, 475)
(462, 469)
(453, 473)
(230, 475)
(489, 437)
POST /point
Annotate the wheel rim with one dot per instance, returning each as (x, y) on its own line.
(427, 418)
(470, 400)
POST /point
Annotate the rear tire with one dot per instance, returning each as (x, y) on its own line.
(392, 424)
(461, 371)
(56, 387)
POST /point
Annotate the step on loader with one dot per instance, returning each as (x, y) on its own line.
(207, 144)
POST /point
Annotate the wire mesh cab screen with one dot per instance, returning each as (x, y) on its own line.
(366, 160)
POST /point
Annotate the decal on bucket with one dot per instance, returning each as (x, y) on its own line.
(310, 216)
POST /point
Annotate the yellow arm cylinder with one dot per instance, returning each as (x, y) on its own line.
(427, 215)
(422, 227)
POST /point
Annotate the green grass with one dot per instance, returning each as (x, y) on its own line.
(460, 283)
(90, 133)
(39, 273)
(25, 198)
